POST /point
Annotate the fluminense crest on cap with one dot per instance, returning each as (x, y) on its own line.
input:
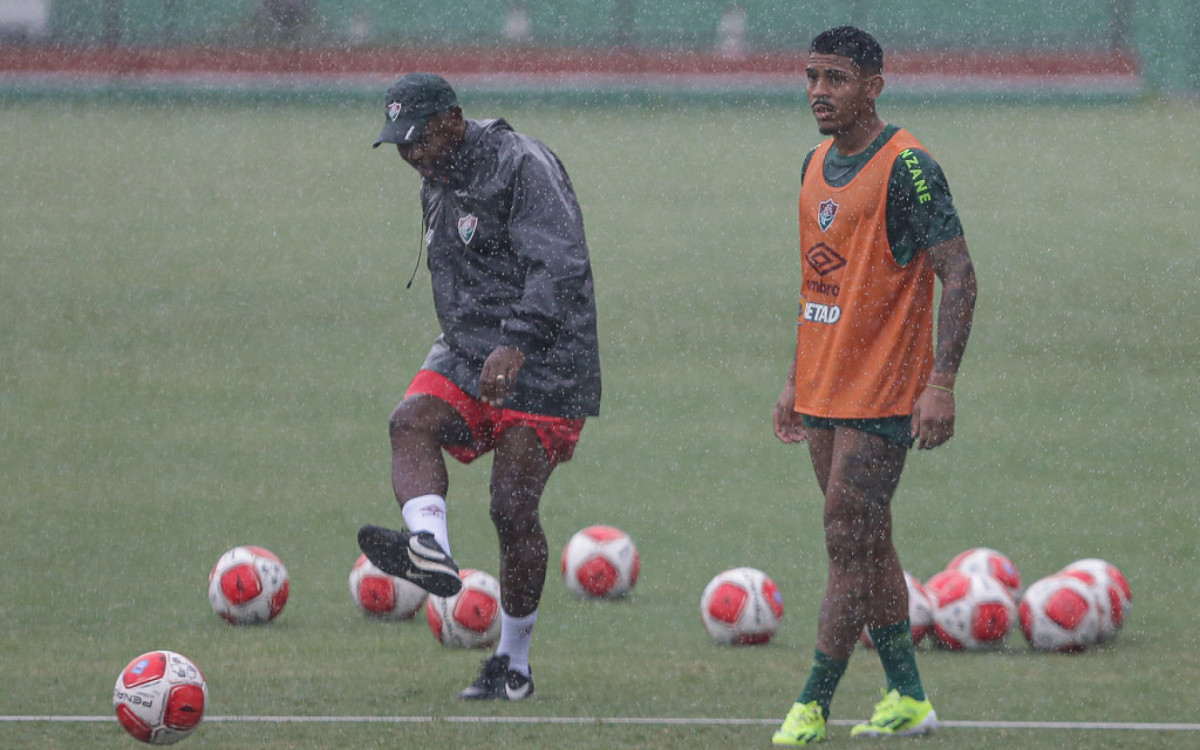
(411, 101)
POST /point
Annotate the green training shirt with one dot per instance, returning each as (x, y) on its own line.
(911, 224)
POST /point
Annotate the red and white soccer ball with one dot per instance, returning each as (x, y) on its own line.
(1110, 590)
(159, 697)
(920, 612)
(742, 607)
(470, 618)
(600, 562)
(1060, 613)
(248, 586)
(970, 612)
(988, 562)
(387, 597)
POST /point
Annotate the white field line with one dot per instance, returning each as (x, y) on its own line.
(616, 720)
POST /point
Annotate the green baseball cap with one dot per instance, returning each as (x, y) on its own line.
(411, 101)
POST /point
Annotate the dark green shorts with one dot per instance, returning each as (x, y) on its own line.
(896, 430)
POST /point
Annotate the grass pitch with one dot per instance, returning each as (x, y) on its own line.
(205, 326)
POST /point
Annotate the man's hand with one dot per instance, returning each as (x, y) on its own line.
(933, 417)
(499, 376)
(788, 426)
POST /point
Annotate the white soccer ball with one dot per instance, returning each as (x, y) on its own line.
(1059, 613)
(248, 586)
(1110, 589)
(159, 697)
(988, 562)
(600, 562)
(470, 618)
(378, 594)
(920, 612)
(970, 612)
(741, 606)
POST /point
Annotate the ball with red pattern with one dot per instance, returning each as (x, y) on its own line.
(159, 697)
(248, 586)
(970, 612)
(989, 562)
(470, 618)
(1060, 613)
(600, 562)
(741, 607)
(380, 595)
(1110, 590)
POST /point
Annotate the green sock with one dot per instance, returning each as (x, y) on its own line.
(822, 681)
(894, 645)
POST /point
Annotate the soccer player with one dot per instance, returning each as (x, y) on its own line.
(516, 369)
(877, 226)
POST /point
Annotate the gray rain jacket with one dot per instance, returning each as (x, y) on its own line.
(510, 266)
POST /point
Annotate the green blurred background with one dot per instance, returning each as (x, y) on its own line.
(1161, 34)
(205, 327)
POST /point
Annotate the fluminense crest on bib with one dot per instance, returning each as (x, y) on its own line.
(826, 212)
(393, 111)
(466, 228)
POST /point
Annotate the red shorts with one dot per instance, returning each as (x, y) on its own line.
(558, 434)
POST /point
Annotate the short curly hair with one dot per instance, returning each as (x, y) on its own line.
(851, 42)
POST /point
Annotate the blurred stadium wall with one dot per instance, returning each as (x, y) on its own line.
(1024, 47)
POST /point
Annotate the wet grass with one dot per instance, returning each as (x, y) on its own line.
(205, 325)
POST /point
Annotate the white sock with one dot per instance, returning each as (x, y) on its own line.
(516, 633)
(427, 513)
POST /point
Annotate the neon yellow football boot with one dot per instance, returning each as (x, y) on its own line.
(898, 716)
(804, 725)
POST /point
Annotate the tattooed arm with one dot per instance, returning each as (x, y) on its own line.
(933, 416)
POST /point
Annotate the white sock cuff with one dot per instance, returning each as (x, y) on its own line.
(518, 623)
(516, 634)
(427, 513)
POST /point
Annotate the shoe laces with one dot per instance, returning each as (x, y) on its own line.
(801, 717)
(888, 708)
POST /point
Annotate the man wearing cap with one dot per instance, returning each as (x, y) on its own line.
(516, 369)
